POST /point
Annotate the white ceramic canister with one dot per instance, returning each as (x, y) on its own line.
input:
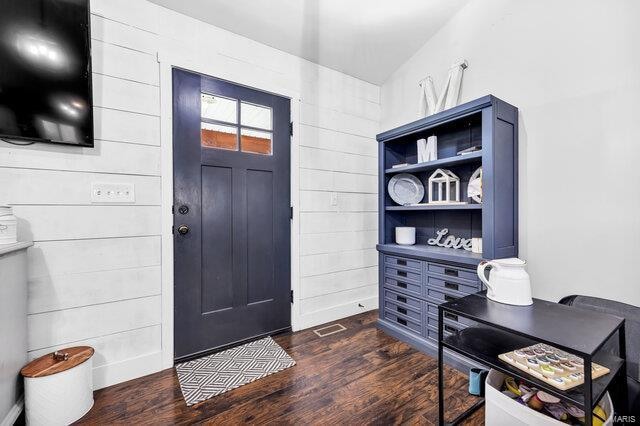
(59, 392)
(8, 226)
(405, 235)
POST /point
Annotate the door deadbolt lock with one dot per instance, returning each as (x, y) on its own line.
(183, 209)
(183, 229)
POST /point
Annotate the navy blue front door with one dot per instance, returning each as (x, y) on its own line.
(231, 149)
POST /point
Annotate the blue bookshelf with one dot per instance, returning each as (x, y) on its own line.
(415, 279)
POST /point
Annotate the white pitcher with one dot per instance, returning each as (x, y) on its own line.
(508, 281)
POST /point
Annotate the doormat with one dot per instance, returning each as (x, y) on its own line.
(218, 373)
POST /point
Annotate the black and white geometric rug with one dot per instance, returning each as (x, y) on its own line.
(218, 373)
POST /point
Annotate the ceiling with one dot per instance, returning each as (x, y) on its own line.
(368, 39)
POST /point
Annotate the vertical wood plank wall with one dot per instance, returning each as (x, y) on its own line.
(338, 156)
(95, 270)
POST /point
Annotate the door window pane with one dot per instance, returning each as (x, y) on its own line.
(255, 116)
(217, 108)
(256, 142)
(219, 136)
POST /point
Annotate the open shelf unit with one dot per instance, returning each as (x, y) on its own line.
(505, 342)
(432, 165)
(415, 279)
(436, 207)
(488, 123)
(500, 328)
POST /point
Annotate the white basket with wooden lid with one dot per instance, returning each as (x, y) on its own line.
(58, 387)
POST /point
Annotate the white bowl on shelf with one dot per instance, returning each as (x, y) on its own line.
(405, 235)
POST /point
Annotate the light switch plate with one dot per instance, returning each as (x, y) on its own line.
(334, 198)
(102, 192)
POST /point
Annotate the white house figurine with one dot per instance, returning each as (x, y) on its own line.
(444, 187)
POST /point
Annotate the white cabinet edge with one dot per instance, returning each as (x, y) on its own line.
(10, 248)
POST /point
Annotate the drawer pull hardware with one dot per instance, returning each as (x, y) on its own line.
(402, 273)
(402, 310)
(450, 316)
(450, 329)
(402, 285)
(401, 321)
(402, 262)
(450, 272)
(451, 286)
(449, 298)
(401, 299)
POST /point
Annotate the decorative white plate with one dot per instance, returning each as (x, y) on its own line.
(405, 189)
(474, 190)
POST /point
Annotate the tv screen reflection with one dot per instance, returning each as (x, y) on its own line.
(45, 75)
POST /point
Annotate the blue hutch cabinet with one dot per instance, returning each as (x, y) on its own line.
(415, 279)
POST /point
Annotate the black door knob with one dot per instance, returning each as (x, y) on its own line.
(183, 229)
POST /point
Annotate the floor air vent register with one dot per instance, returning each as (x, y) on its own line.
(329, 330)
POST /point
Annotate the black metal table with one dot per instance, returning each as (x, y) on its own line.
(502, 328)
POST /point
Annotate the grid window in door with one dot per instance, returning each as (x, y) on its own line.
(219, 136)
(236, 126)
(256, 116)
(219, 108)
(256, 142)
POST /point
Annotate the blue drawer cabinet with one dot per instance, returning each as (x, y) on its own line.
(403, 263)
(409, 301)
(449, 272)
(403, 300)
(415, 279)
(447, 285)
(415, 314)
(401, 274)
(403, 286)
(432, 310)
(403, 322)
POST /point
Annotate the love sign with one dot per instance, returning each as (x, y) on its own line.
(442, 240)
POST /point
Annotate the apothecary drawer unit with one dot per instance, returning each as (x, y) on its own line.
(415, 279)
(403, 263)
(451, 272)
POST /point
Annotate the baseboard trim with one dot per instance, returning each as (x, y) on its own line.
(13, 413)
(335, 313)
(125, 370)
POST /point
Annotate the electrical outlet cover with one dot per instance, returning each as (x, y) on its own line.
(102, 192)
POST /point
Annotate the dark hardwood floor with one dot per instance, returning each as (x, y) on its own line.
(358, 376)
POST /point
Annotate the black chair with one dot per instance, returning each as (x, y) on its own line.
(631, 314)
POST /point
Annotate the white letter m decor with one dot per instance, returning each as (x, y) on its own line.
(430, 103)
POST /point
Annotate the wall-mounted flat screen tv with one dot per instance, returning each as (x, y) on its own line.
(45, 72)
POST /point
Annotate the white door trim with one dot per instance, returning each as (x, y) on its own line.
(207, 65)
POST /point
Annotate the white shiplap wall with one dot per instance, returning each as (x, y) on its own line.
(95, 270)
(338, 205)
